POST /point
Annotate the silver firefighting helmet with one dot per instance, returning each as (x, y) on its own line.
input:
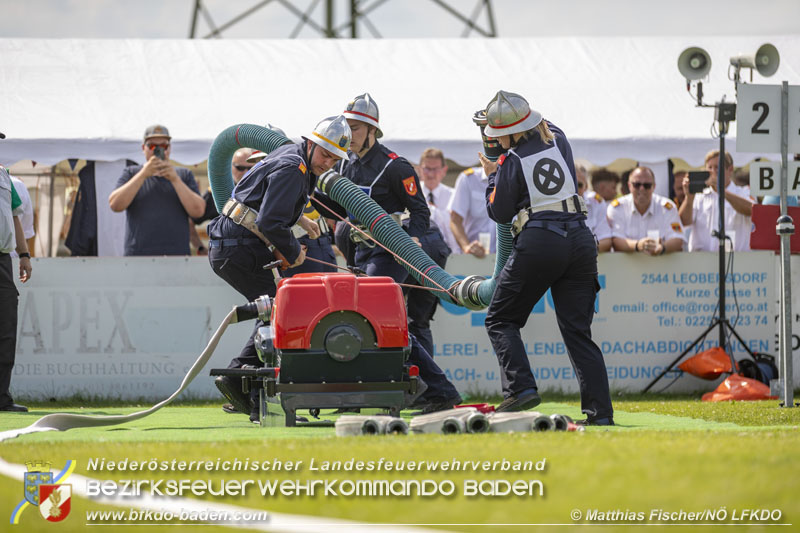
(333, 134)
(491, 147)
(509, 113)
(364, 109)
(258, 155)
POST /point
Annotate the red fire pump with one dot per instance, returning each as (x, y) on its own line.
(332, 341)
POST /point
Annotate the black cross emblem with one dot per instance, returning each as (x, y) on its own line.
(548, 176)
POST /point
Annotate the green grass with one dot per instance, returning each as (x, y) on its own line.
(668, 454)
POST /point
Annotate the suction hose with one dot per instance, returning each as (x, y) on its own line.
(223, 148)
(472, 292)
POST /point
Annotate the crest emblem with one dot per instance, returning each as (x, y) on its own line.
(38, 474)
(55, 502)
(410, 186)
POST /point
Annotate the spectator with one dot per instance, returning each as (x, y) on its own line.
(643, 221)
(12, 237)
(701, 211)
(26, 219)
(240, 164)
(741, 177)
(604, 183)
(157, 198)
(433, 169)
(468, 216)
(596, 208)
(677, 187)
(623, 182)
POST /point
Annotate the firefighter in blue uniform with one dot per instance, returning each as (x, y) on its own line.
(553, 249)
(317, 246)
(391, 182)
(255, 227)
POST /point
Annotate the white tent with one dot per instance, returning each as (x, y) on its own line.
(614, 97)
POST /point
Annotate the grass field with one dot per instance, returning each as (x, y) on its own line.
(666, 453)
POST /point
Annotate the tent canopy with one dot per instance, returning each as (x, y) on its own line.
(614, 97)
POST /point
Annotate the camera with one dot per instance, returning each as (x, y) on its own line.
(697, 181)
(159, 153)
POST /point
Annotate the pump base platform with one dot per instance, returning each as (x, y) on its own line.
(390, 395)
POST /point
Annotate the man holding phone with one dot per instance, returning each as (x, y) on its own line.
(701, 208)
(157, 199)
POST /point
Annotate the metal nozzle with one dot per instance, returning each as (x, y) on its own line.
(466, 292)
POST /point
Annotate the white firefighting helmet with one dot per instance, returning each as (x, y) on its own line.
(509, 113)
(333, 134)
(364, 109)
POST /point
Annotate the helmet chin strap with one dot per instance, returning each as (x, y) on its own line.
(367, 146)
(311, 154)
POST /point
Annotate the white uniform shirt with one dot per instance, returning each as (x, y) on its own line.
(469, 202)
(439, 213)
(661, 216)
(26, 219)
(706, 219)
(596, 217)
(7, 239)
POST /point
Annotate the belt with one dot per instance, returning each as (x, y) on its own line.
(244, 216)
(222, 243)
(573, 204)
(560, 228)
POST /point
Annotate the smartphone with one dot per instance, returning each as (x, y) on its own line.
(159, 153)
(697, 181)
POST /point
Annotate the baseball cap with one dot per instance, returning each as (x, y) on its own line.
(156, 130)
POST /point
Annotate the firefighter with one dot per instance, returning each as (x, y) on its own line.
(553, 249)
(254, 228)
(391, 182)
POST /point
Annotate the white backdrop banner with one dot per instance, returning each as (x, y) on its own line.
(131, 327)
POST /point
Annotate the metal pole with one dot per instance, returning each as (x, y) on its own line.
(329, 32)
(194, 19)
(785, 230)
(354, 19)
(51, 211)
(721, 235)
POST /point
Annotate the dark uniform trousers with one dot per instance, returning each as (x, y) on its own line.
(378, 262)
(421, 303)
(9, 298)
(562, 257)
(241, 266)
(319, 248)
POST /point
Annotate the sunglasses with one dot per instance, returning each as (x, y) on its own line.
(242, 168)
(153, 146)
(636, 185)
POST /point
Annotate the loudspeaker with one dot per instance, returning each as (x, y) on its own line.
(766, 60)
(694, 63)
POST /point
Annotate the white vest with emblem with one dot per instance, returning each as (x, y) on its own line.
(547, 176)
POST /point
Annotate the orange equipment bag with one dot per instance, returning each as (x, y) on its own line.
(736, 387)
(709, 364)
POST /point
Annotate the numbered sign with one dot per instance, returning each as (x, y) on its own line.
(765, 178)
(794, 119)
(758, 119)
